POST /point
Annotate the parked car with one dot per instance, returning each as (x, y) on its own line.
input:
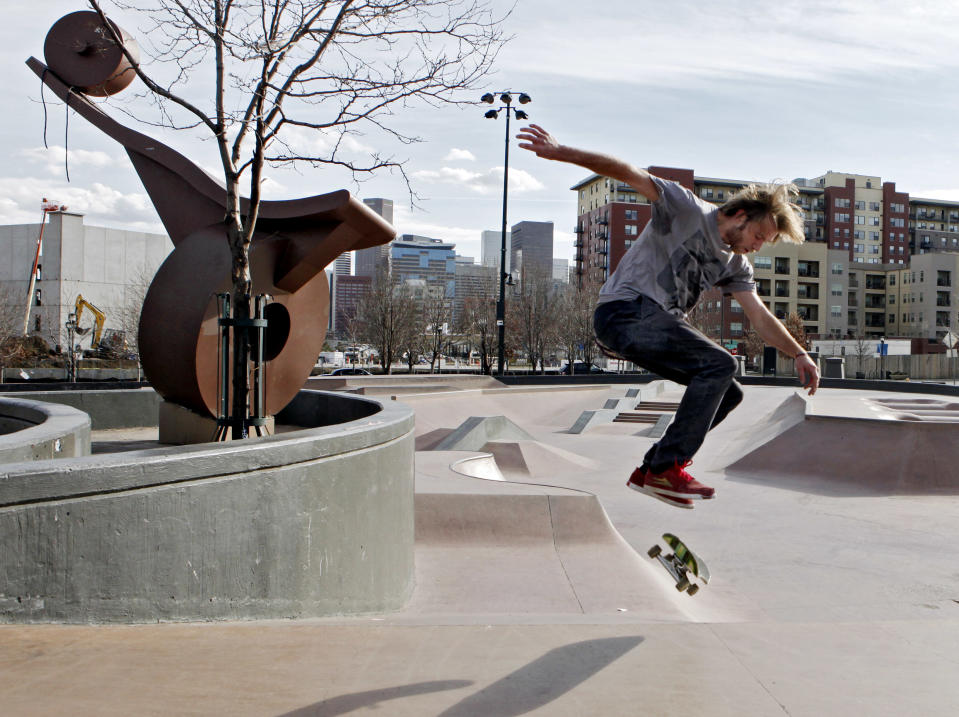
(350, 371)
(579, 368)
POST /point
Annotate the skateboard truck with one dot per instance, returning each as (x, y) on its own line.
(681, 563)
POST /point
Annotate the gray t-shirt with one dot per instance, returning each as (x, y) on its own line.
(678, 256)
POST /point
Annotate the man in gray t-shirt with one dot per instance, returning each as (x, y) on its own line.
(687, 247)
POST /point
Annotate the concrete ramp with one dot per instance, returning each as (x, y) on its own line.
(738, 443)
(857, 456)
(551, 552)
(533, 459)
(476, 431)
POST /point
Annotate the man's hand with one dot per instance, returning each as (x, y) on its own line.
(539, 141)
(808, 373)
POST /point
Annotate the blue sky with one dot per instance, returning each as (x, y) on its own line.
(746, 90)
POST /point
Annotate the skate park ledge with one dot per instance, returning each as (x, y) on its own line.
(312, 522)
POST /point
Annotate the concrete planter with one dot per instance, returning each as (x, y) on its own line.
(309, 523)
(37, 430)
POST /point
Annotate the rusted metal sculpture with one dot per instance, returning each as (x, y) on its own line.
(294, 241)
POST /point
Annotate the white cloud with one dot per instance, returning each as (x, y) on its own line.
(54, 158)
(98, 202)
(320, 142)
(700, 44)
(488, 182)
(456, 154)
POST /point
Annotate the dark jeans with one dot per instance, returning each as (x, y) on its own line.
(642, 332)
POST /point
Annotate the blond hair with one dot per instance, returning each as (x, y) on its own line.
(774, 201)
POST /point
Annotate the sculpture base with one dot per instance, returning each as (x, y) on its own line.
(181, 426)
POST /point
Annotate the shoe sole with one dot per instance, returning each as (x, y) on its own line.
(668, 499)
(675, 494)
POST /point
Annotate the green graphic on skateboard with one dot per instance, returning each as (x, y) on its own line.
(681, 563)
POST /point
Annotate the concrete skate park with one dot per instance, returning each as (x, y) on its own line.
(832, 545)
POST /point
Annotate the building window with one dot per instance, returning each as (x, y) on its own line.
(631, 230)
(37, 324)
(37, 297)
(841, 217)
(763, 262)
(835, 311)
(842, 203)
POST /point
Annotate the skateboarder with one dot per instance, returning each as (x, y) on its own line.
(687, 247)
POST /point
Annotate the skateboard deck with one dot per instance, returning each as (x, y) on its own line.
(681, 563)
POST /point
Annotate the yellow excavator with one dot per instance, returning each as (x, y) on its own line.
(99, 318)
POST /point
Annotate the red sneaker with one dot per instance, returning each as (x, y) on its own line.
(675, 482)
(637, 482)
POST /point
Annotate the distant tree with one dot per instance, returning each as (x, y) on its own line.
(537, 316)
(435, 316)
(753, 345)
(387, 316)
(574, 330)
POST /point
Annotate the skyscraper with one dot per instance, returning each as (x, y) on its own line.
(532, 247)
(368, 260)
(490, 249)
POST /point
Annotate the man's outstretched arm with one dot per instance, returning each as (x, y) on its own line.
(772, 331)
(538, 140)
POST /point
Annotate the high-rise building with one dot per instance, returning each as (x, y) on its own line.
(532, 247)
(473, 281)
(343, 266)
(348, 291)
(491, 248)
(414, 258)
(375, 257)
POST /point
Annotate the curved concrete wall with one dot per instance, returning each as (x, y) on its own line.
(35, 430)
(313, 522)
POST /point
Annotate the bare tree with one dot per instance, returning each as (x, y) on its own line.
(290, 81)
(387, 314)
(479, 322)
(536, 316)
(574, 331)
(753, 345)
(436, 315)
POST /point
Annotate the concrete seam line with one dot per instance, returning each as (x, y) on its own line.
(187, 480)
(559, 555)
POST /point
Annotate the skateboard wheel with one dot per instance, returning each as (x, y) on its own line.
(693, 589)
(682, 584)
(654, 551)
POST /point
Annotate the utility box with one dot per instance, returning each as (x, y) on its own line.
(835, 367)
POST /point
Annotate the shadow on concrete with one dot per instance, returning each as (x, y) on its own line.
(344, 704)
(545, 679)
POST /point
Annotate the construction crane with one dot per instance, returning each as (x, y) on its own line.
(46, 205)
(99, 318)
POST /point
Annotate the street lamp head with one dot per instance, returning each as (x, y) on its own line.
(520, 115)
(525, 98)
(506, 97)
(491, 114)
(488, 98)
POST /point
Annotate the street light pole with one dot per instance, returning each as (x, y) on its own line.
(506, 98)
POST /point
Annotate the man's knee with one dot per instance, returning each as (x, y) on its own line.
(723, 364)
(734, 395)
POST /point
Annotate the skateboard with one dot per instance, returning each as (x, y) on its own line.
(680, 563)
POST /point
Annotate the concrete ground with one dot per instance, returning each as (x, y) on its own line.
(834, 590)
